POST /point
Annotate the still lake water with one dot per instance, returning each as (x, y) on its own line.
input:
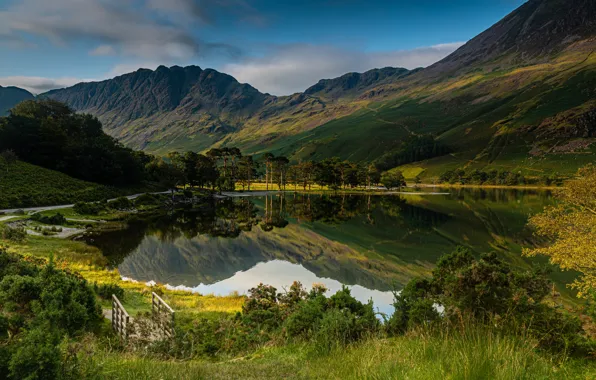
(373, 244)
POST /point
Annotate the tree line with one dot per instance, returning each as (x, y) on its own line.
(224, 168)
(496, 177)
(50, 134)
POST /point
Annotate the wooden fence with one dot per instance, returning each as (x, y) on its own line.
(163, 315)
(120, 318)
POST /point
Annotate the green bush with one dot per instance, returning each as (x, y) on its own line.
(121, 204)
(412, 308)
(39, 306)
(13, 234)
(89, 208)
(36, 356)
(56, 219)
(105, 291)
(487, 291)
(303, 322)
(147, 200)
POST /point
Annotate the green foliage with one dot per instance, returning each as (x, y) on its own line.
(36, 356)
(121, 204)
(13, 234)
(495, 177)
(147, 200)
(412, 308)
(50, 134)
(106, 291)
(56, 219)
(38, 307)
(488, 291)
(412, 149)
(90, 208)
(393, 179)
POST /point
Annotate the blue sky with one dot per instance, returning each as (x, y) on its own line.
(279, 46)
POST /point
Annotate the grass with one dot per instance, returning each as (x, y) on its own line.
(26, 185)
(474, 354)
(91, 264)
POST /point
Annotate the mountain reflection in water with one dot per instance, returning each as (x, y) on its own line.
(372, 243)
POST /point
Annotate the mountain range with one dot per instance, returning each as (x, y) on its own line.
(520, 96)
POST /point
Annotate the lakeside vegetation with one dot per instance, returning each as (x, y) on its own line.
(496, 313)
(308, 335)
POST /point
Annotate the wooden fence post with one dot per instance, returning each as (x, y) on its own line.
(120, 318)
(163, 314)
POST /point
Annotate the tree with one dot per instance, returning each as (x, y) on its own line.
(570, 226)
(50, 134)
(281, 164)
(247, 170)
(234, 154)
(207, 173)
(168, 174)
(9, 157)
(327, 174)
(393, 179)
(417, 180)
(373, 175)
(268, 162)
(191, 172)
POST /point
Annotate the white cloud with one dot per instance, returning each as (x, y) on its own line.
(130, 27)
(293, 68)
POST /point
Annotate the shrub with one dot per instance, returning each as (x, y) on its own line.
(147, 200)
(56, 219)
(89, 208)
(105, 291)
(412, 307)
(36, 356)
(13, 234)
(488, 291)
(39, 307)
(121, 204)
(303, 322)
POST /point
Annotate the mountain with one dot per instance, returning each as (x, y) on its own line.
(355, 83)
(519, 96)
(11, 96)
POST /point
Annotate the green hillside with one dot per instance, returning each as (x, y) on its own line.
(26, 185)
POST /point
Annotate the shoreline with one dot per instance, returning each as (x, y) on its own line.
(258, 193)
(515, 187)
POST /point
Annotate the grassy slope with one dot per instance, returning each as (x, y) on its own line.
(490, 118)
(26, 185)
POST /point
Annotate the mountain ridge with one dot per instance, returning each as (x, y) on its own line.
(494, 91)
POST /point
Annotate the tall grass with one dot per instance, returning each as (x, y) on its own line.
(473, 353)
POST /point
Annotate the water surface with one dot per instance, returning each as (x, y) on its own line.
(373, 244)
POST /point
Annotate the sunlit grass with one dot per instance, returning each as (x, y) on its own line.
(474, 354)
(89, 262)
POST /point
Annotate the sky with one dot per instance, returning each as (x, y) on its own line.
(278, 46)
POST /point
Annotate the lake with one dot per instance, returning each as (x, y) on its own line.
(372, 243)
